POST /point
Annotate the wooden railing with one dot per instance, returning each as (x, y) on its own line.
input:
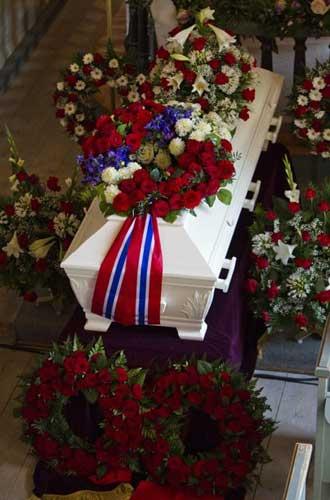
(22, 24)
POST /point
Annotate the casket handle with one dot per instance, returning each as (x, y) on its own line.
(250, 203)
(273, 134)
(224, 283)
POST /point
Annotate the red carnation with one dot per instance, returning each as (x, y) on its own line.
(323, 296)
(271, 215)
(276, 237)
(226, 169)
(294, 207)
(41, 265)
(52, 184)
(300, 111)
(60, 113)
(33, 179)
(21, 176)
(230, 59)
(273, 291)
(249, 94)
(322, 147)
(244, 114)
(140, 175)
(71, 79)
(221, 79)
(176, 202)
(35, 205)
(191, 199)
(137, 391)
(305, 236)
(121, 202)
(121, 374)
(301, 320)
(326, 92)
(9, 210)
(251, 285)
(189, 75)
(307, 85)
(46, 447)
(215, 64)
(127, 186)
(162, 53)
(310, 194)
(304, 263)
(203, 102)
(66, 207)
(23, 240)
(82, 463)
(76, 363)
(199, 43)
(262, 262)
(160, 208)
(245, 67)
(226, 145)
(30, 296)
(133, 141)
(148, 186)
(324, 239)
(49, 371)
(324, 206)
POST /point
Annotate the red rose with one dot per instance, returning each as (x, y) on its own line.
(35, 205)
(273, 291)
(303, 132)
(245, 67)
(244, 114)
(199, 43)
(230, 59)
(137, 391)
(148, 186)
(203, 102)
(23, 240)
(276, 237)
(71, 79)
(140, 175)
(324, 239)
(189, 75)
(314, 105)
(193, 147)
(326, 92)
(9, 210)
(133, 141)
(262, 262)
(175, 31)
(266, 316)
(249, 94)
(52, 184)
(226, 169)
(251, 285)
(226, 145)
(301, 320)
(310, 194)
(271, 215)
(191, 199)
(194, 397)
(21, 176)
(130, 408)
(304, 263)
(30, 296)
(215, 64)
(185, 159)
(76, 363)
(294, 207)
(176, 202)
(324, 206)
(160, 208)
(48, 371)
(307, 85)
(60, 113)
(121, 202)
(323, 296)
(3, 258)
(127, 186)
(221, 79)
(305, 236)
(46, 447)
(121, 374)
(322, 147)
(162, 53)
(41, 265)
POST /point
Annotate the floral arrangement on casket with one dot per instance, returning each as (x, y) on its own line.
(38, 222)
(145, 426)
(72, 371)
(204, 431)
(310, 105)
(150, 158)
(202, 64)
(82, 80)
(290, 277)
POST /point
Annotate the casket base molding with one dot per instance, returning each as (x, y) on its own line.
(96, 323)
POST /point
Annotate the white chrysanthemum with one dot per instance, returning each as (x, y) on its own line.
(63, 122)
(302, 100)
(3, 218)
(326, 134)
(110, 193)
(183, 126)
(318, 83)
(74, 68)
(319, 114)
(80, 117)
(65, 224)
(133, 96)
(113, 63)
(176, 146)
(261, 243)
(88, 58)
(326, 154)
(122, 81)
(79, 130)
(140, 78)
(312, 134)
(60, 86)
(223, 132)
(70, 108)
(298, 284)
(300, 123)
(96, 74)
(157, 90)
(315, 95)
(203, 127)
(110, 175)
(125, 173)
(80, 85)
(111, 83)
(133, 166)
(169, 69)
(197, 135)
(23, 205)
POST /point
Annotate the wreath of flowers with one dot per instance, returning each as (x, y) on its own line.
(310, 105)
(160, 159)
(37, 224)
(81, 80)
(232, 414)
(290, 276)
(106, 383)
(202, 64)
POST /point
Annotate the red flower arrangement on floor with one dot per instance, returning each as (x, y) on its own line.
(146, 428)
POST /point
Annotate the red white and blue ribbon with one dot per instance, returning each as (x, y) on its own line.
(129, 282)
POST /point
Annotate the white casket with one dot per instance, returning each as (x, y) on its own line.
(194, 248)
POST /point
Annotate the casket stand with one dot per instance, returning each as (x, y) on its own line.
(194, 248)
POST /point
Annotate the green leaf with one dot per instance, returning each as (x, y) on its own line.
(171, 217)
(137, 376)
(122, 129)
(210, 200)
(101, 470)
(91, 395)
(204, 367)
(214, 138)
(225, 196)
(155, 174)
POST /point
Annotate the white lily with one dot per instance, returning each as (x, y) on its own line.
(224, 39)
(175, 81)
(40, 248)
(293, 194)
(205, 15)
(183, 35)
(179, 57)
(200, 85)
(12, 248)
(284, 252)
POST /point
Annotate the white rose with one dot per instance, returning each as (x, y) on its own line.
(146, 153)
(319, 7)
(162, 159)
(177, 146)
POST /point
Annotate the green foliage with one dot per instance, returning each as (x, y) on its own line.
(225, 196)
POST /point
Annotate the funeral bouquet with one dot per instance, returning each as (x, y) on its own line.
(38, 222)
(82, 80)
(290, 276)
(163, 160)
(202, 64)
(310, 105)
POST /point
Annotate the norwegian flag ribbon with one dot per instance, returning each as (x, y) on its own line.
(129, 282)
